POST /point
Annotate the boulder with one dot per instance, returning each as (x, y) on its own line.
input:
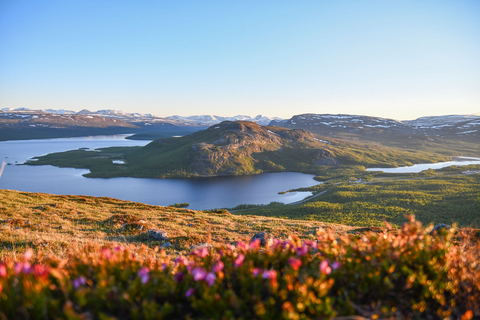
(439, 227)
(157, 234)
(166, 245)
(263, 237)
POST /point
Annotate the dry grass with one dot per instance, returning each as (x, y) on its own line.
(57, 223)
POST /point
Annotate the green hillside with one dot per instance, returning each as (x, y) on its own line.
(234, 148)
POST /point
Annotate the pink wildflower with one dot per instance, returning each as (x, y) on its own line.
(210, 278)
(27, 268)
(106, 253)
(255, 244)
(17, 268)
(230, 247)
(256, 271)
(144, 274)
(269, 274)
(3, 270)
(202, 252)
(178, 277)
(189, 292)
(303, 250)
(239, 260)
(199, 274)
(295, 263)
(335, 265)
(286, 244)
(218, 267)
(181, 261)
(243, 245)
(324, 267)
(40, 271)
(312, 244)
(28, 254)
(119, 248)
(79, 281)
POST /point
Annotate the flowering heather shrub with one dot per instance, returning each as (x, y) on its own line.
(410, 274)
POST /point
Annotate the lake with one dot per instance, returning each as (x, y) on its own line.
(458, 161)
(201, 193)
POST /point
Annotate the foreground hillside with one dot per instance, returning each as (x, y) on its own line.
(54, 222)
(409, 273)
(233, 148)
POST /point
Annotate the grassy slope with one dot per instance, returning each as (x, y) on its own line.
(36, 218)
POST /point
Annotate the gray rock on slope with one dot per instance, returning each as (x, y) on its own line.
(157, 234)
(264, 238)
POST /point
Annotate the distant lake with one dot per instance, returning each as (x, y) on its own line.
(459, 161)
(201, 193)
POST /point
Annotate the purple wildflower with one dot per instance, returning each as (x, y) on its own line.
(189, 292)
(178, 277)
(303, 250)
(79, 281)
(210, 278)
(144, 274)
(199, 274)
(27, 268)
(335, 265)
(256, 271)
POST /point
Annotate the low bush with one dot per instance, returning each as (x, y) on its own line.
(408, 273)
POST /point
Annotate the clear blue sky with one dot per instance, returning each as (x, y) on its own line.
(396, 59)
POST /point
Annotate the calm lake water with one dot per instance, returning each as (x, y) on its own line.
(202, 193)
(459, 161)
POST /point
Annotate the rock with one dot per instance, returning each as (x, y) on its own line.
(263, 237)
(166, 245)
(201, 245)
(439, 227)
(157, 234)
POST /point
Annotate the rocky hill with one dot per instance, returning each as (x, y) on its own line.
(229, 148)
(233, 148)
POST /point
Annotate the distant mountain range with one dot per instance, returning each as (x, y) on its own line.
(17, 123)
(136, 118)
(435, 126)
